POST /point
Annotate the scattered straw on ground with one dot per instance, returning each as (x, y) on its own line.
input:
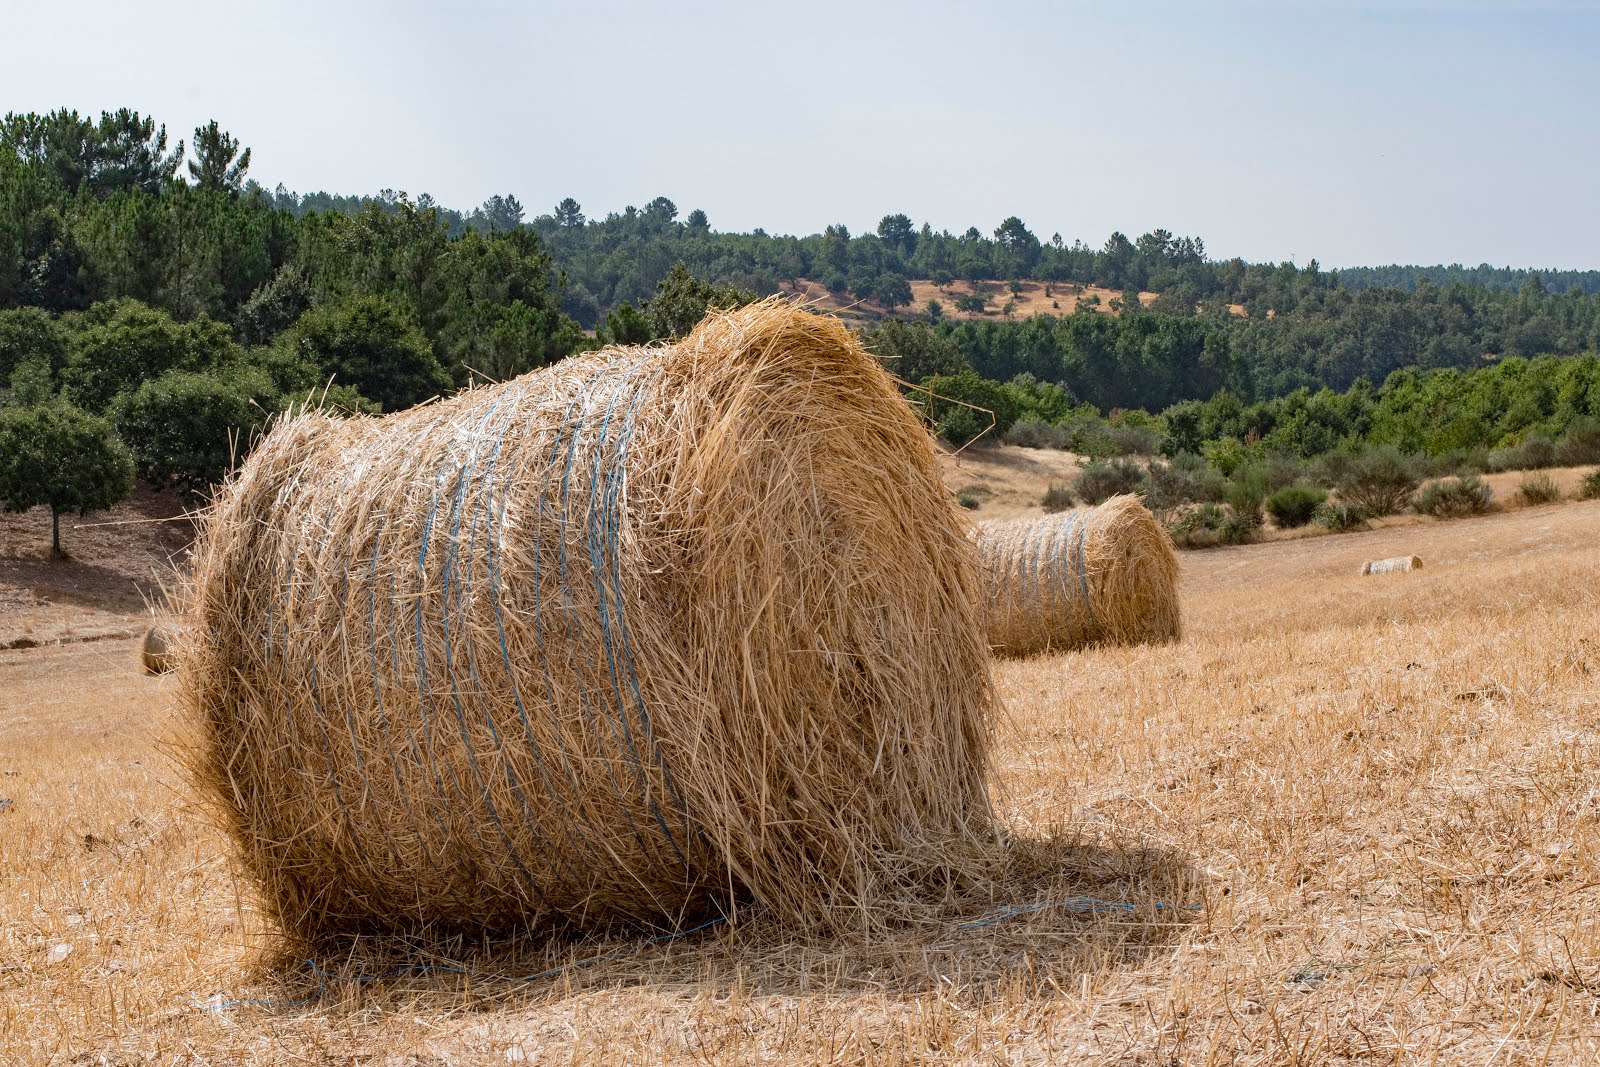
(1382, 795)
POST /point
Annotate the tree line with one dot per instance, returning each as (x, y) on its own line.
(152, 285)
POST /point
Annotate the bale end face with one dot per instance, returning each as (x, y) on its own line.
(156, 654)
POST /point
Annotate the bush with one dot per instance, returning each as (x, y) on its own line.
(1283, 470)
(1104, 479)
(1035, 433)
(370, 342)
(1581, 444)
(1534, 453)
(969, 499)
(967, 388)
(1200, 527)
(1454, 498)
(1057, 498)
(1340, 517)
(1590, 487)
(1089, 435)
(1538, 489)
(960, 426)
(1332, 470)
(1458, 462)
(1381, 480)
(1294, 505)
(1246, 494)
(1226, 454)
(1187, 479)
(1209, 525)
(1135, 440)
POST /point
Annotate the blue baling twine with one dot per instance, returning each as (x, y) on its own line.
(1089, 905)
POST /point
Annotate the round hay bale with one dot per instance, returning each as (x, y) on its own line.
(1103, 575)
(156, 655)
(644, 633)
(1396, 565)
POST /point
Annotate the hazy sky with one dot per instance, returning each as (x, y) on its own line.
(1356, 133)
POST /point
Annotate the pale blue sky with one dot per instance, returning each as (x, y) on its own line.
(1357, 133)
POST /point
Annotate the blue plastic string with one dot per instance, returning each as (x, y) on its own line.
(601, 536)
(463, 471)
(485, 506)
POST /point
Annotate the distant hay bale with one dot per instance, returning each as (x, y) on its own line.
(639, 635)
(1103, 575)
(1389, 566)
(155, 655)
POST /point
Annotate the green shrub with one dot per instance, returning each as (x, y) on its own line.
(1590, 487)
(1226, 454)
(1035, 433)
(958, 423)
(1331, 470)
(187, 430)
(1057, 498)
(1089, 435)
(1210, 525)
(1535, 452)
(1340, 517)
(1453, 498)
(969, 499)
(961, 426)
(1458, 462)
(1131, 440)
(1580, 445)
(1104, 479)
(1294, 505)
(1247, 493)
(1200, 527)
(1282, 470)
(1186, 479)
(1538, 489)
(1381, 480)
(1240, 528)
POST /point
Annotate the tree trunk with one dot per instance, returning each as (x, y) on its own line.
(55, 532)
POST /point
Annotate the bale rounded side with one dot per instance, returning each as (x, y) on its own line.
(644, 632)
(155, 653)
(1102, 575)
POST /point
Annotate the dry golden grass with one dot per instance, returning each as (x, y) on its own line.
(1383, 794)
(1008, 481)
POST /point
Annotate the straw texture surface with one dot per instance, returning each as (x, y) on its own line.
(647, 633)
(1103, 575)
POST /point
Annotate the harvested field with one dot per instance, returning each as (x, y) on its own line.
(1371, 806)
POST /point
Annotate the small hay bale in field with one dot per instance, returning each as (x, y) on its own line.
(1390, 566)
(155, 655)
(636, 636)
(1103, 575)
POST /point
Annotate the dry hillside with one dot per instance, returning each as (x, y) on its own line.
(1036, 298)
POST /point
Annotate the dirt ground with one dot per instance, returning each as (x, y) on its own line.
(1346, 820)
(118, 561)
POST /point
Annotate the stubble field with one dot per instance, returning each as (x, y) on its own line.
(1347, 820)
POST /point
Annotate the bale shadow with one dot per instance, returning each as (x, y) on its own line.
(1064, 908)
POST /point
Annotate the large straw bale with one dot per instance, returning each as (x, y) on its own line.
(1102, 575)
(651, 631)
